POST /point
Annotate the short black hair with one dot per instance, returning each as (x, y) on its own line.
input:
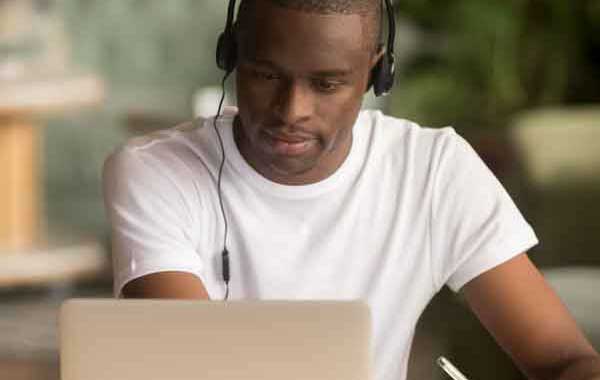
(369, 10)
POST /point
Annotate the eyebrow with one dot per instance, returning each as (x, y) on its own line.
(318, 73)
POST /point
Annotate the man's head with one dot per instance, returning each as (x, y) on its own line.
(303, 67)
(369, 10)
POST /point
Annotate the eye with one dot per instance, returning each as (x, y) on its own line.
(326, 85)
(265, 75)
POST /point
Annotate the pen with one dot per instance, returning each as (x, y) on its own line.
(450, 369)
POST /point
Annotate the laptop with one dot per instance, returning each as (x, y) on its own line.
(109, 339)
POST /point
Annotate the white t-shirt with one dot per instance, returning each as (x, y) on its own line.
(410, 210)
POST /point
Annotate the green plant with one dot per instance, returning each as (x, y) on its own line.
(477, 62)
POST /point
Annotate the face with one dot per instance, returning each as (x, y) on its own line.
(300, 81)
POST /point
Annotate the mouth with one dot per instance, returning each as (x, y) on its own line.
(288, 145)
(290, 138)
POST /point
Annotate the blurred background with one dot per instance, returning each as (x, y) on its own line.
(519, 79)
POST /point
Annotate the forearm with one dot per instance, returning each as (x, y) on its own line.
(173, 285)
(584, 368)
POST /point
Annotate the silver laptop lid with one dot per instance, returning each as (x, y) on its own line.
(107, 339)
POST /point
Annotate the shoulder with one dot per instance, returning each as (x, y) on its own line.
(184, 136)
(179, 162)
(401, 137)
(173, 149)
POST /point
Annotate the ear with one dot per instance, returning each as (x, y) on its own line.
(377, 56)
(373, 64)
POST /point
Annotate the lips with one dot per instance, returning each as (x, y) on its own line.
(290, 139)
(287, 144)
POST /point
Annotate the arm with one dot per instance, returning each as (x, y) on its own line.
(528, 320)
(178, 285)
(153, 230)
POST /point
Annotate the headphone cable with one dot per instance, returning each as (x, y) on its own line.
(224, 253)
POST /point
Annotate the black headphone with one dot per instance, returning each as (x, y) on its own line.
(382, 75)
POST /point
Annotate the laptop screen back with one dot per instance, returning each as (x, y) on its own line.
(107, 339)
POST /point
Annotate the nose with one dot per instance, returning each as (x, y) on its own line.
(294, 103)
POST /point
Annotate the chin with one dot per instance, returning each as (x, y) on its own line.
(291, 168)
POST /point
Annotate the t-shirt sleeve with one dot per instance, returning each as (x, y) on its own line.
(152, 229)
(475, 224)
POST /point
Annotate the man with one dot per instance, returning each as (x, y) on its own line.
(326, 202)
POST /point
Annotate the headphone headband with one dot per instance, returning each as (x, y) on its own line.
(385, 73)
(391, 26)
(230, 14)
(382, 75)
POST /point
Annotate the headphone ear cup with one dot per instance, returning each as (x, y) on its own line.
(221, 58)
(227, 51)
(383, 76)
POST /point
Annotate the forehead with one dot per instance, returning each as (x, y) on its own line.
(300, 40)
